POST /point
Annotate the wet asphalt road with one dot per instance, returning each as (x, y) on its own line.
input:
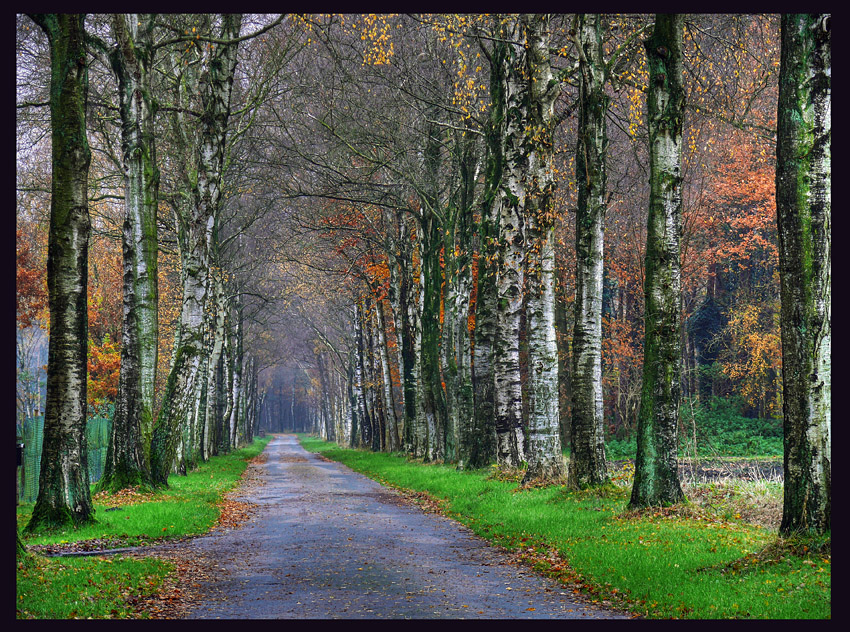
(329, 543)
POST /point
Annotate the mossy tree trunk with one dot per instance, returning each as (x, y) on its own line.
(407, 326)
(128, 458)
(431, 406)
(20, 549)
(457, 340)
(196, 218)
(481, 450)
(543, 450)
(587, 439)
(429, 438)
(804, 212)
(64, 498)
(656, 476)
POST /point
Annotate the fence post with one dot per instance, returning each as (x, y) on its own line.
(19, 452)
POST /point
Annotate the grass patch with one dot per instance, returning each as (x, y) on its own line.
(677, 562)
(49, 588)
(86, 588)
(187, 508)
(755, 502)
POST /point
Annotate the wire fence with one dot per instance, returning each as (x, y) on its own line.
(97, 436)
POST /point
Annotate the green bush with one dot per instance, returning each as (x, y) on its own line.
(618, 449)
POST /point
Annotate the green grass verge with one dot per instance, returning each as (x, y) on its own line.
(677, 562)
(59, 588)
(83, 588)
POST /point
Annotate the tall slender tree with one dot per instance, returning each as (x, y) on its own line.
(656, 475)
(510, 268)
(803, 206)
(196, 218)
(483, 449)
(587, 439)
(543, 451)
(457, 339)
(431, 397)
(128, 462)
(64, 497)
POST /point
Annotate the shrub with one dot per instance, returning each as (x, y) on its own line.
(721, 428)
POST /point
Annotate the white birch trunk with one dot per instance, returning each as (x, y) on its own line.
(543, 450)
(510, 273)
(587, 453)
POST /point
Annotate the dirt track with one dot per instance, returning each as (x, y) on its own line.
(326, 542)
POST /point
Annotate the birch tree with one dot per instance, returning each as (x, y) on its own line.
(128, 462)
(64, 498)
(510, 268)
(804, 218)
(482, 449)
(457, 340)
(543, 452)
(587, 440)
(656, 479)
(431, 411)
(196, 217)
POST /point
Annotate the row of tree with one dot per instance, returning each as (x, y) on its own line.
(443, 222)
(157, 85)
(388, 233)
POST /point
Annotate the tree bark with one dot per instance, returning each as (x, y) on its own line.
(482, 445)
(804, 217)
(362, 424)
(408, 334)
(587, 438)
(237, 393)
(375, 411)
(563, 333)
(510, 270)
(457, 339)
(431, 399)
(64, 498)
(128, 455)
(354, 398)
(656, 476)
(212, 422)
(543, 450)
(393, 440)
(203, 182)
(225, 399)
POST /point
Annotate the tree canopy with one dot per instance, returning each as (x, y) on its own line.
(472, 238)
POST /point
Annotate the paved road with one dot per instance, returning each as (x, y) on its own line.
(329, 543)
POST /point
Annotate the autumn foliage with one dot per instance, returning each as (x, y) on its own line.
(30, 281)
(104, 365)
(105, 312)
